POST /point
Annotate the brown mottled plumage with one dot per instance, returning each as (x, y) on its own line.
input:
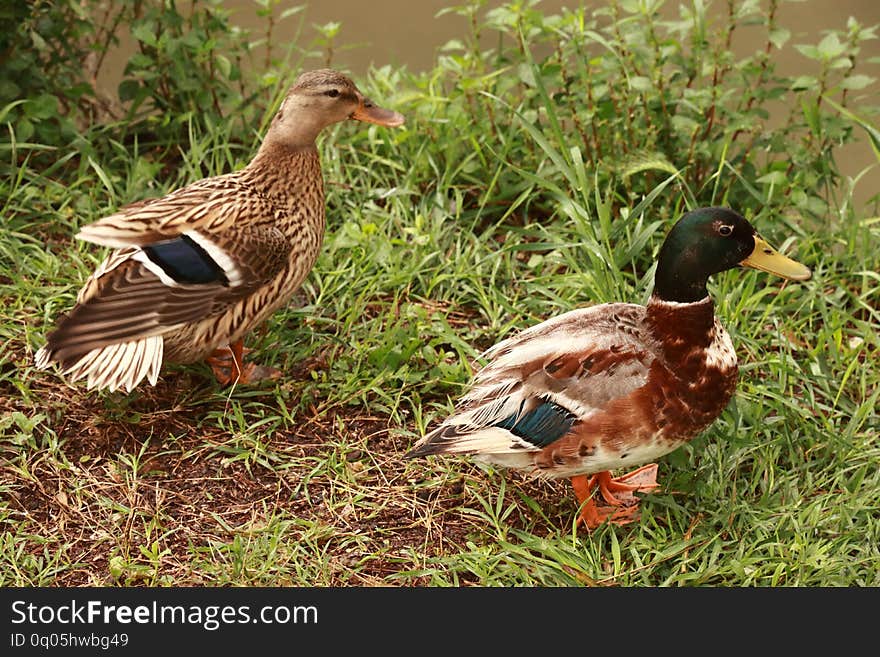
(617, 384)
(197, 269)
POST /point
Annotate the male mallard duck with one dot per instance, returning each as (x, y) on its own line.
(617, 384)
(196, 270)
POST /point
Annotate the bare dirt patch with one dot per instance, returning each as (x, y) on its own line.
(152, 490)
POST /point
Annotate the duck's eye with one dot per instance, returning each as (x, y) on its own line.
(725, 230)
(333, 93)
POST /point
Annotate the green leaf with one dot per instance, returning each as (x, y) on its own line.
(142, 61)
(116, 566)
(38, 41)
(804, 83)
(684, 124)
(223, 64)
(831, 47)
(857, 82)
(144, 33)
(808, 51)
(453, 45)
(811, 115)
(42, 107)
(779, 36)
(873, 133)
(292, 10)
(330, 29)
(128, 89)
(269, 79)
(24, 129)
(773, 178)
(8, 89)
(640, 83)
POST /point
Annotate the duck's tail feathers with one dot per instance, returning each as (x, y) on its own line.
(122, 365)
(465, 439)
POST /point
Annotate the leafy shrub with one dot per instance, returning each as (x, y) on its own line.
(631, 98)
(608, 103)
(186, 74)
(41, 81)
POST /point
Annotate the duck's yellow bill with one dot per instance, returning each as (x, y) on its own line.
(768, 259)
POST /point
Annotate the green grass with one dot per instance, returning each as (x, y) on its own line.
(483, 215)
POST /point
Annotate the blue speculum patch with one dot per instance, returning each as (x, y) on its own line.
(541, 426)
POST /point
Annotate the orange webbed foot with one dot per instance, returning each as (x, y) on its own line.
(229, 367)
(616, 501)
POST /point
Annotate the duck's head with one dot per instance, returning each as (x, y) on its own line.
(318, 99)
(711, 240)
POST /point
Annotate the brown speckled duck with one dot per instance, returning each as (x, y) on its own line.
(194, 271)
(617, 384)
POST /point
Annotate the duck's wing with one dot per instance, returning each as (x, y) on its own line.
(183, 258)
(538, 385)
(209, 207)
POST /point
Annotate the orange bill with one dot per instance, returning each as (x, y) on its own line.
(371, 113)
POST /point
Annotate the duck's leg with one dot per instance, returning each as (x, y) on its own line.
(584, 487)
(229, 366)
(228, 363)
(617, 502)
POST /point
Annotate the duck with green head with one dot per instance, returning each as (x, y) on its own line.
(618, 384)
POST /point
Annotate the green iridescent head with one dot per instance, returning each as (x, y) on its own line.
(711, 240)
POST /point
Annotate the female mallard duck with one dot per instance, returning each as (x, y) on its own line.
(617, 384)
(196, 270)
